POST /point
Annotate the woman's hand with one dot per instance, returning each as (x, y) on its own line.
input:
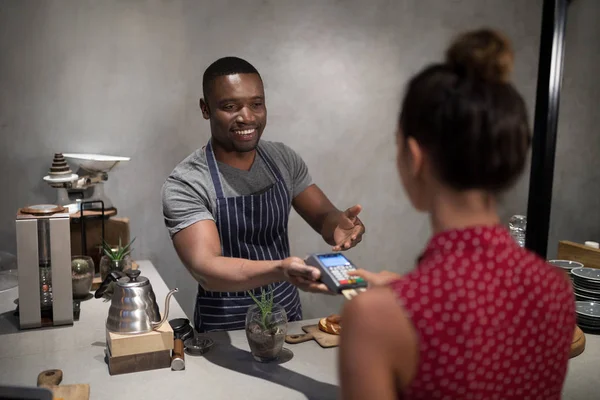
(376, 278)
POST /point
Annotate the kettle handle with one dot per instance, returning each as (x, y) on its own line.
(112, 277)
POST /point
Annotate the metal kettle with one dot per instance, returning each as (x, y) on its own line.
(133, 308)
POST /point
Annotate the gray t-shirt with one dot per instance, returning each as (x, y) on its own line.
(188, 194)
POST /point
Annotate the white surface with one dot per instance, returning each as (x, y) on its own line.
(594, 245)
(94, 162)
(61, 179)
(226, 372)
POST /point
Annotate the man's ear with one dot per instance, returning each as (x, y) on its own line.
(205, 109)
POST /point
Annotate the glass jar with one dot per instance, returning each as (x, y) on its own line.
(107, 265)
(266, 333)
(82, 275)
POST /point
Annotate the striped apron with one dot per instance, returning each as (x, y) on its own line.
(252, 227)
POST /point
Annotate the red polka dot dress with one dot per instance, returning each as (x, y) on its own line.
(494, 321)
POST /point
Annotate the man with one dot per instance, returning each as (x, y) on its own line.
(227, 205)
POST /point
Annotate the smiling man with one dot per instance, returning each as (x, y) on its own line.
(227, 205)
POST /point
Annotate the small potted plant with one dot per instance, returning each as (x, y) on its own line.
(266, 327)
(115, 259)
(82, 274)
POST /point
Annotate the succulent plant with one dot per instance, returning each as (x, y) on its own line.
(120, 253)
(265, 304)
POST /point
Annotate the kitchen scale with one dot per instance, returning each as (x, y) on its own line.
(84, 189)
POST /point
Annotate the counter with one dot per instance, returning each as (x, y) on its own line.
(226, 372)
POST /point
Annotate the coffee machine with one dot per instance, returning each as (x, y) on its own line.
(44, 266)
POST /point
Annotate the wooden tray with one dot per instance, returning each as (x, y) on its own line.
(324, 339)
(578, 344)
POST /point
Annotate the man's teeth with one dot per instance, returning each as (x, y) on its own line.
(245, 132)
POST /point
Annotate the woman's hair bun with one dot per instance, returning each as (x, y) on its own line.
(484, 53)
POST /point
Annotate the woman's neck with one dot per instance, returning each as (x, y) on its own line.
(456, 210)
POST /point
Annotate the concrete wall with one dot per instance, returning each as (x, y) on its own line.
(576, 193)
(124, 77)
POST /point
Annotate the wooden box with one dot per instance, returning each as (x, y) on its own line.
(113, 229)
(586, 255)
(158, 340)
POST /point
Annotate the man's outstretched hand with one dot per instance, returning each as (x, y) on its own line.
(349, 231)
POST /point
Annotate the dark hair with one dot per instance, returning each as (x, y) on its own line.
(225, 66)
(468, 117)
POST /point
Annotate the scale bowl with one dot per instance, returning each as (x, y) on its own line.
(95, 162)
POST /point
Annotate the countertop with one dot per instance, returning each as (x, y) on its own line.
(306, 370)
(227, 371)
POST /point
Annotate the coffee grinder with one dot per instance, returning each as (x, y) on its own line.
(44, 266)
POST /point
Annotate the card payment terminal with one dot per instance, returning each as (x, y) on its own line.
(334, 271)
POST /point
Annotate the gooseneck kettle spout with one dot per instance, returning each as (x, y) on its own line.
(156, 325)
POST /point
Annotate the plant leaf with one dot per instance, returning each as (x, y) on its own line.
(254, 298)
(123, 251)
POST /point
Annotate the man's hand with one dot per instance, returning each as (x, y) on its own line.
(303, 276)
(349, 231)
(376, 278)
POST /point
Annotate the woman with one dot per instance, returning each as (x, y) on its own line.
(479, 317)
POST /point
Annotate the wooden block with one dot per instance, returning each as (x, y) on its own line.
(138, 362)
(157, 340)
(572, 251)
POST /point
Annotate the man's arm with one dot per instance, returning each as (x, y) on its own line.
(199, 248)
(340, 229)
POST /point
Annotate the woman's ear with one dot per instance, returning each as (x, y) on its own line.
(415, 157)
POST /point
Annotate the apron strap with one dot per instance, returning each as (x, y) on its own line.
(214, 170)
(270, 164)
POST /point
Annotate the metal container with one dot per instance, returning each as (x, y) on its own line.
(133, 307)
(44, 266)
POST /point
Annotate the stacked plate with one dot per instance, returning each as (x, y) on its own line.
(566, 265)
(586, 284)
(588, 315)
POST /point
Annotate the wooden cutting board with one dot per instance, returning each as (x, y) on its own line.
(51, 379)
(578, 344)
(327, 340)
(313, 332)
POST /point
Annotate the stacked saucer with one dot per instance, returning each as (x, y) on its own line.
(586, 284)
(588, 315)
(566, 265)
